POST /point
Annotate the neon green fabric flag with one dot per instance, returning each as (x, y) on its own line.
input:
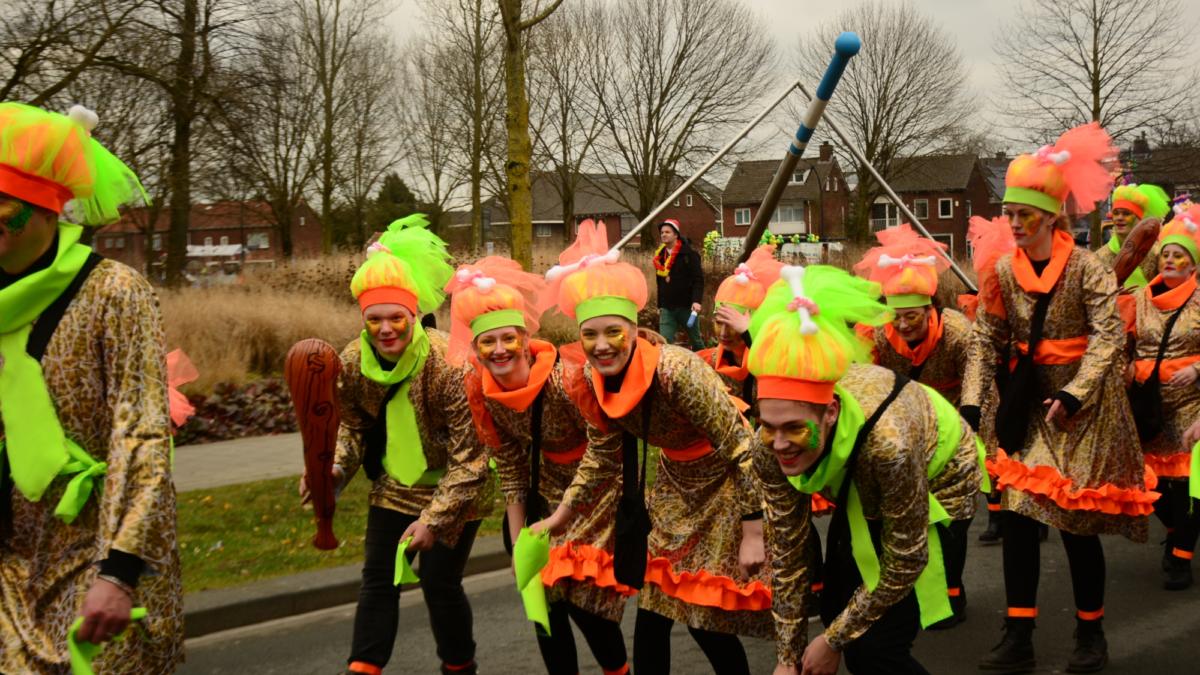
(531, 554)
(404, 571)
(83, 653)
(404, 458)
(1138, 278)
(1194, 478)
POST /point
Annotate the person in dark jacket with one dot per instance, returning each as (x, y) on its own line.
(680, 284)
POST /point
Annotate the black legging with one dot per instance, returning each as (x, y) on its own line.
(1172, 509)
(652, 647)
(378, 615)
(603, 637)
(954, 553)
(1023, 563)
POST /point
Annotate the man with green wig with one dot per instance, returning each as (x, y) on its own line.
(87, 505)
(407, 422)
(1130, 204)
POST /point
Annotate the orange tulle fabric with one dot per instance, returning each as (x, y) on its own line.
(581, 562)
(180, 371)
(1175, 466)
(867, 333)
(969, 306)
(1046, 481)
(638, 377)
(992, 240)
(706, 589)
(932, 337)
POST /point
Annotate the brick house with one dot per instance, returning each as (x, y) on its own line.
(815, 201)
(943, 191)
(598, 197)
(220, 224)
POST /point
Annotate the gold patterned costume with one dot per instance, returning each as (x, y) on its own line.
(447, 437)
(945, 367)
(105, 369)
(695, 504)
(1149, 266)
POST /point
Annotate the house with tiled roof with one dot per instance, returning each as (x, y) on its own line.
(815, 201)
(943, 192)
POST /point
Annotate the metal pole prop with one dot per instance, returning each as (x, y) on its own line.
(912, 218)
(846, 46)
(704, 169)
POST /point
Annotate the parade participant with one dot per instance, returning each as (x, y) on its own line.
(680, 279)
(737, 298)
(1130, 204)
(924, 343)
(1167, 333)
(705, 514)
(1067, 455)
(895, 456)
(520, 407)
(89, 530)
(406, 422)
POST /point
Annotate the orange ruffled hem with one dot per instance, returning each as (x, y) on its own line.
(1175, 466)
(707, 590)
(1048, 482)
(583, 563)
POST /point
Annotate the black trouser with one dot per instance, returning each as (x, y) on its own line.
(378, 615)
(886, 647)
(652, 647)
(1023, 563)
(1172, 508)
(603, 637)
(954, 553)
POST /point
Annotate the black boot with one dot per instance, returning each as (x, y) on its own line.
(1014, 654)
(469, 669)
(1091, 649)
(992, 534)
(1168, 546)
(1179, 574)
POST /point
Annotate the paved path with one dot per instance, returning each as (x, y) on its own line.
(199, 467)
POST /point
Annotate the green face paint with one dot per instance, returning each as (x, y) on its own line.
(15, 215)
(803, 435)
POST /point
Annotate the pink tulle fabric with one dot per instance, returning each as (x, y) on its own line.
(180, 371)
(898, 242)
(1079, 165)
(991, 239)
(467, 303)
(599, 277)
(765, 267)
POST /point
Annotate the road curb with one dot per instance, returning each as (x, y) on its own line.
(221, 609)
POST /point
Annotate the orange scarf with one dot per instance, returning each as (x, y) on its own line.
(1059, 254)
(1173, 298)
(932, 337)
(638, 376)
(520, 399)
(738, 373)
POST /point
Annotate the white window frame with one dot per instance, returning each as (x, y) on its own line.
(208, 241)
(947, 239)
(676, 202)
(791, 208)
(253, 237)
(544, 229)
(741, 217)
(120, 242)
(689, 200)
(224, 241)
(917, 204)
(301, 221)
(968, 208)
(156, 242)
(803, 177)
(944, 201)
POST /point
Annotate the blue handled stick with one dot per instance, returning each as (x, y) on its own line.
(845, 46)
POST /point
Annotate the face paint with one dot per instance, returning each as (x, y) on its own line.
(1030, 220)
(512, 342)
(912, 318)
(1175, 258)
(399, 323)
(804, 435)
(588, 338)
(617, 337)
(15, 215)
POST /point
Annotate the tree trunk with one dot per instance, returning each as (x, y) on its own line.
(180, 168)
(520, 147)
(327, 174)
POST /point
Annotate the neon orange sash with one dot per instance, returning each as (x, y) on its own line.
(567, 457)
(1168, 368)
(932, 337)
(521, 399)
(1055, 352)
(689, 453)
(1059, 254)
(638, 377)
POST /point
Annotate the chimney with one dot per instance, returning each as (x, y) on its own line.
(1140, 145)
(826, 152)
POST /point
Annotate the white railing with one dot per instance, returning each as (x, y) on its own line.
(878, 224)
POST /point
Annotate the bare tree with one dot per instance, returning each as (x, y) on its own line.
(565, 119)
(686, 73)
(1116, 62)
(429, 129)
(904, 94)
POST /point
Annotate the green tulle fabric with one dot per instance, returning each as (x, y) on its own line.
(1160, 203)
(424, 257)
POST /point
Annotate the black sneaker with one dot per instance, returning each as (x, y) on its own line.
(1179, 575)
(992, 534)
(1014, 654)
(1091, 648)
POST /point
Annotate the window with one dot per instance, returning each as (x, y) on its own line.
(156, 242)
(301, 221)
(835, 184)
(627, 225)
(543, 229)
(741, 216)
(945, 208)
(948, 240)
(224, 241)
(676, 202)
(968, 208)
(208, 241)
(108, 242)
(799, 177)
(789, 212)
(689, 200)
(921, 208)
(120, 242)
(258, 240)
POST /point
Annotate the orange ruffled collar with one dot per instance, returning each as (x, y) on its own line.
(1175, 297)
(932, 337)
(544, 357)
(1059, 254)
(638, 376)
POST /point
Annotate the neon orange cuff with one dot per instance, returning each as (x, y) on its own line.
(954, 592)
(464, 666)
(1180, 553)
(365, 668)
(993, 507)
(817, 587)
(624, 670)
(1023, 612)
(1091, 616)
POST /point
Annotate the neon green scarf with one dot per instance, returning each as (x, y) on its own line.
(404, 458)
(931, 589)
(1138, 278)
(38, 449)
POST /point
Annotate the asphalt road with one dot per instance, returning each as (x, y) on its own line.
(1149, 630)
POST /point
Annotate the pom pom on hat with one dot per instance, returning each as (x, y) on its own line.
(85, 118)
(492, 293)
(747, 286)
(1077, 165)
(589, 280)
(906, 265)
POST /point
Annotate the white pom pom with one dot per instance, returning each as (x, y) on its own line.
(1190, 224)
(742, 279)
(484, 284)
(83, 117)
(1060, 158)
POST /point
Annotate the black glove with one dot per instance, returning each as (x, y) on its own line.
(1069, 402)
(972, 414)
